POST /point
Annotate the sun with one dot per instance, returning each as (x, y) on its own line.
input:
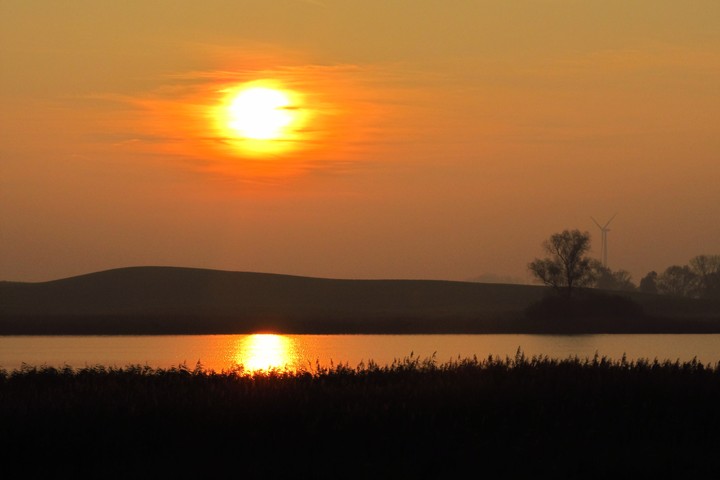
(260, 113)
(261, 119)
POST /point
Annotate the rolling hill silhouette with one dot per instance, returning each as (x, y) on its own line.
(157, 300)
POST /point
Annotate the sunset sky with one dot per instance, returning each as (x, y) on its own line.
(427, 139)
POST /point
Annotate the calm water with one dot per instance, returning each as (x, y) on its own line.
(224, 352)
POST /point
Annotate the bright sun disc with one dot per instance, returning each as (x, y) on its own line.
(260, 113)
(261, 119)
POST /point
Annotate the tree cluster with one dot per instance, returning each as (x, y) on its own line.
(567, 268)
(700, 278)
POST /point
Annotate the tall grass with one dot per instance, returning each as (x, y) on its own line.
(413, 417)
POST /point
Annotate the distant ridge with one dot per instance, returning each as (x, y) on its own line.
(172, 298)
(176, 300)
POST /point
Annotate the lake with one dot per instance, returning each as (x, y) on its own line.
(262, 351)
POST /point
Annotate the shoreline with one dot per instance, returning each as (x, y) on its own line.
(193, 325)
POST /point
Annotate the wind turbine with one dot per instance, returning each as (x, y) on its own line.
(604, 230)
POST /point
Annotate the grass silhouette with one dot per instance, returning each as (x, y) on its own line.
(414, 417)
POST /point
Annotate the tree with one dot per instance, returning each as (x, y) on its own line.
(707, 271)
(679, 281)
(648, 284)
(567, 268)
(606, 279)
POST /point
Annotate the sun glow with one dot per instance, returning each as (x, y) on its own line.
(261, 118)
(263, 131)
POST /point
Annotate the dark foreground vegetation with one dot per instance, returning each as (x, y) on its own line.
(414, 419)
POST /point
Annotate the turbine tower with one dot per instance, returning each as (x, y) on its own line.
(604, 229)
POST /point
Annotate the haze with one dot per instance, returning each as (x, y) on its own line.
(450, 138)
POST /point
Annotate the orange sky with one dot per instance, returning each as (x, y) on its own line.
(444, 140)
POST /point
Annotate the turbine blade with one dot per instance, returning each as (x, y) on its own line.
(596, 223)
(611, 219)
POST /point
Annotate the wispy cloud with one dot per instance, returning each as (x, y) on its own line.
(350, 110)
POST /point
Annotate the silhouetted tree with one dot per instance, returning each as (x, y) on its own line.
(606, 279)
(707, 271)
(677, 280)
(567, 267)
(648, 284)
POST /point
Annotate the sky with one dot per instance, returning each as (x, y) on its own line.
(431, 139)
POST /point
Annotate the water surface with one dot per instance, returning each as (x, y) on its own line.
(225, 352)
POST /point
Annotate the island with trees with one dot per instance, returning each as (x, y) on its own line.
(584, 292)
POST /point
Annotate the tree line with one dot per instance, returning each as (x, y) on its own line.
(567, 267)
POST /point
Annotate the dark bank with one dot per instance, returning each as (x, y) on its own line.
(173, 300)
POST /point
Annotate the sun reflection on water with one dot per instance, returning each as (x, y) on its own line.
(266, 351)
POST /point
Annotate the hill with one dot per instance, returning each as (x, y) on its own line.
(175, 300)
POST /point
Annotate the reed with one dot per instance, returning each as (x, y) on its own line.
(416, 416)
